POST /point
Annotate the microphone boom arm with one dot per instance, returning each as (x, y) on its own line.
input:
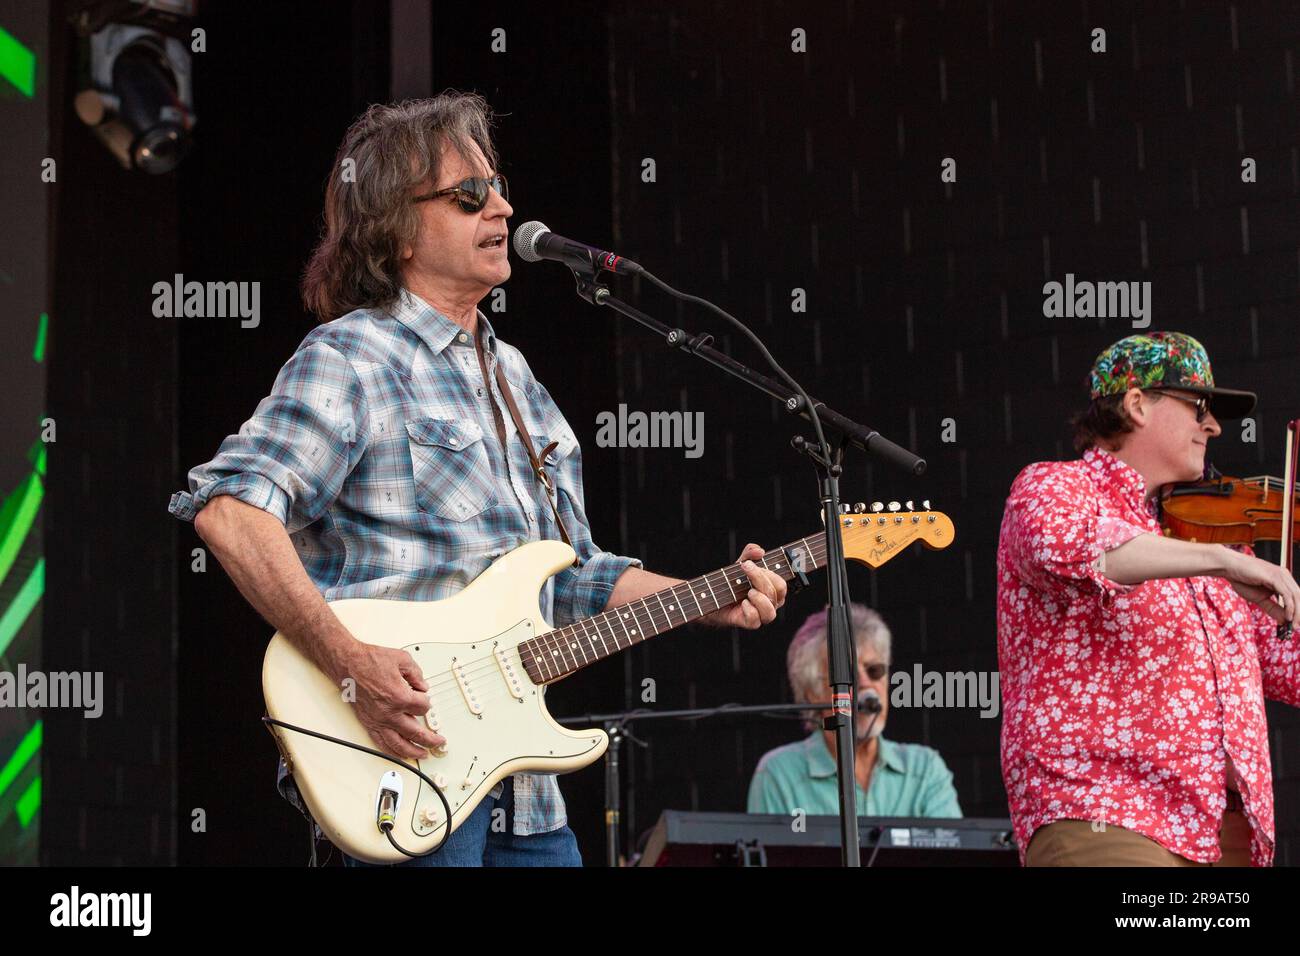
(862, 437)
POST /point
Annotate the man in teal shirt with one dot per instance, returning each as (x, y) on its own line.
(893, 779)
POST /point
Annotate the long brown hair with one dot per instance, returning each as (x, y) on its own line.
(369, 217)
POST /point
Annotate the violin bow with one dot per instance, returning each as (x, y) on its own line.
(1287, 559)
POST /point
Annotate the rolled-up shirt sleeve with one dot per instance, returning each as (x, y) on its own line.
(1054, 536)
(291, 457)
(1279, 660)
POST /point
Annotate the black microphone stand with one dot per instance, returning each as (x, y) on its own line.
(841, 651)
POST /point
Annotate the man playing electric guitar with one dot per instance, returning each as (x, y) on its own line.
(404, 447)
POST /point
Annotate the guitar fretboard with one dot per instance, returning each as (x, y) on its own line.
(563, 651)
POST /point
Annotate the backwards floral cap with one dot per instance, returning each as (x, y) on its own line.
(1165, 360)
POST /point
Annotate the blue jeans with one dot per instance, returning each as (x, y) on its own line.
(475, 843)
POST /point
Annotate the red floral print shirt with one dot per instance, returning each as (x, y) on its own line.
(1122, 703)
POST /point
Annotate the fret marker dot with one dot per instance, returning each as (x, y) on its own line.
(672, 607)
(777, 565)
(625, 615)
(634, 630)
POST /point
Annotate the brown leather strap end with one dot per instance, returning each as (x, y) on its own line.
(539, 468)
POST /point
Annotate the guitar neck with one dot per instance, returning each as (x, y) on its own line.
(563, 651)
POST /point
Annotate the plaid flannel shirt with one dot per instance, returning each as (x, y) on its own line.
(378, 450)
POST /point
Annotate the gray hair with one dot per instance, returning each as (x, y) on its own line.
(805, 661)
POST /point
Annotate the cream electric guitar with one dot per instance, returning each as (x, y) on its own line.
(487, 656)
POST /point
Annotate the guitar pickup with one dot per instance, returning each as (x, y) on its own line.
(471, 700)
(509, 673)
(431, 721)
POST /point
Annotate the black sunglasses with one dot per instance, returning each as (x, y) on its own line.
(1202, 404)
(877, 671)
(472, 193)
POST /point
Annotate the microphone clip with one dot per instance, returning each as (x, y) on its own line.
(590, 287)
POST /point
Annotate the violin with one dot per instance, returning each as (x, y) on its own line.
(1226, 510)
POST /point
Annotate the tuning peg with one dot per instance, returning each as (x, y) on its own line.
(894, 506)
(844, 509)
(877, 506)
(926, 504)
(909, 506)
(859, 507)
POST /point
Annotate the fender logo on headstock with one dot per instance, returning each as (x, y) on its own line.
(876, 537)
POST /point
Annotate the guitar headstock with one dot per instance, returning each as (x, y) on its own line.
(877, 535)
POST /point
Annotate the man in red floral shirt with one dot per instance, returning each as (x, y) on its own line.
(1134, 666)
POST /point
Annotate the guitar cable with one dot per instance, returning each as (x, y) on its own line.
(386, 820)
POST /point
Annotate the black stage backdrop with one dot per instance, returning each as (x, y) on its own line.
(109, 782)
(793, 149)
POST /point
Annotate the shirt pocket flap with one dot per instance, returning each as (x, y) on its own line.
(453, 435)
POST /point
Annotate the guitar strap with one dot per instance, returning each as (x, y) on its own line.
(539, 470)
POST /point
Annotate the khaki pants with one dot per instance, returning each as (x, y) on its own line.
(1075, 843)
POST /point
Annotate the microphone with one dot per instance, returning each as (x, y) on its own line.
(534, 241)
(869, 702)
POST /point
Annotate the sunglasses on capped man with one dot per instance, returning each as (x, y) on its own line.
(1201, 404)
(472, 193)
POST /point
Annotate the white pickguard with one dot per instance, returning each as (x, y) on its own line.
(493, 716)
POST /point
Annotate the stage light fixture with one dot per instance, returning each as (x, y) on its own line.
(138, 97)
